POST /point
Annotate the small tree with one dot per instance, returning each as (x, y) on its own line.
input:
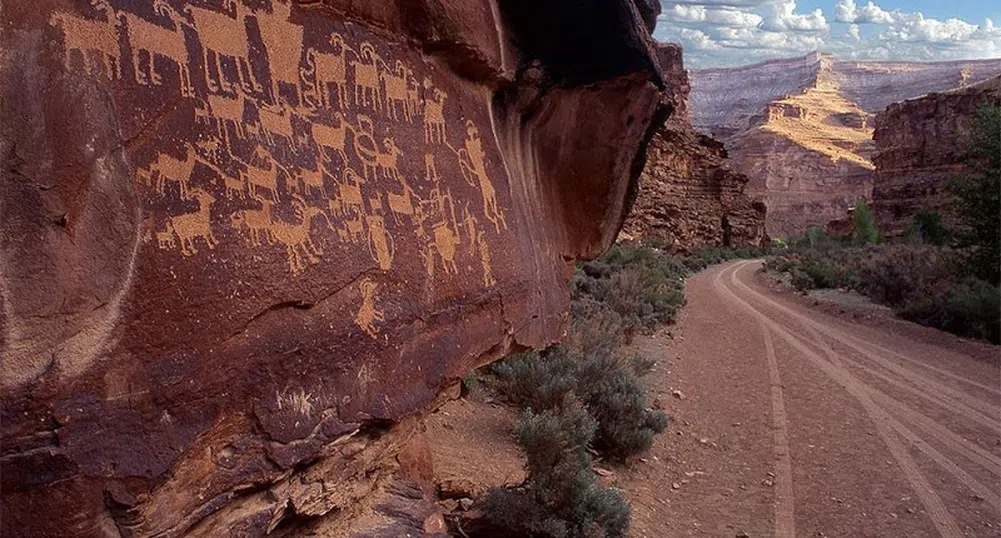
(866, 232)
(978, 195)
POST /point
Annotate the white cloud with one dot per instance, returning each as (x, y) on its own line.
(697, 39)
(853, 32)
(782, 16)
(848, 11)
(720, 17)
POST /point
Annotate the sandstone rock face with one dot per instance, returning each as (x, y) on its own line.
(920, 145)
(688, 195)
(801, 129)
(246, 243)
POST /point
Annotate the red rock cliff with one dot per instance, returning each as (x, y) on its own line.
(921, 145)
(246, 242)
(688, 194)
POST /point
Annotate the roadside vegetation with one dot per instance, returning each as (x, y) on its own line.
(585, 398)
(935, 276)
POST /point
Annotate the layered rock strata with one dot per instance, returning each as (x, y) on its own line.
(921, 146)
(247, 243)
(688, 194)
(801, 129)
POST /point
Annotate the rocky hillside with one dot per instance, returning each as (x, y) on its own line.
(688, 194)
(248, 244)
(920, 145)
(801, 128)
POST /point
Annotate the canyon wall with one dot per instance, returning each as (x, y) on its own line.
(920, 147)
(688, 195)
(801, 129)
(247, 243)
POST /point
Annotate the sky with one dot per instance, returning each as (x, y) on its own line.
(719, 33)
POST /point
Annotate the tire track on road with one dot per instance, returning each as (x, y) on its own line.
(785, 500)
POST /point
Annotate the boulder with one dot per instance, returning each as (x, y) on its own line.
(246, 243)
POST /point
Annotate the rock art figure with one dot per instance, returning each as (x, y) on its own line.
(157, 40)
(165, 167)
(224, 35)
(472, 163)
(434, 113)
(91, 36)
(397, 85)
(257, 222)
(329, 136)
(368, 314)
(196, 225)
(326, 68)
(367, 92)
(283, 46)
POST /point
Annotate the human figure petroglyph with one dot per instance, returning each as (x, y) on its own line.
(397, 89)
(478, 245)
(329, 136)
(431, 174)
(380, 242)
(197, 225)
(283, 46)
(472, 164)
(327, 68)
(439, 212)
(367, 88)
(91, 36)
(155, 39)
(224, 35)
(434, 113)
(257, 222)
(368, 314)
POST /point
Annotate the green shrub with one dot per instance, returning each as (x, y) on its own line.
(560, 497)
(929, 228)
(866, 232)
(801, 281)
(970, 307)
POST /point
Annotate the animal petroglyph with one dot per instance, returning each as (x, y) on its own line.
(299, 248)
(221, 35)
(326, 68)
(297, 401)
(367, 92)
(165, 238)
(401, 204)
(257, 222)
(368, 314)
(96, 37)
(335, 138)
(434, 113)
(283, 46)
(196, 225)
(472, 163)
(165, 167)
(276, 122)
(257, 178)
(155, 39)
(397, 85)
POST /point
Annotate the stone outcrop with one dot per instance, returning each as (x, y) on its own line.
(920, 147)
(247, 243)
(801, 129)
(688, 195)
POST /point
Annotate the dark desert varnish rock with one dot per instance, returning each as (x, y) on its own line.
(246, 243)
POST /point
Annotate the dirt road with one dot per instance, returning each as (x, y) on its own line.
(791, 422)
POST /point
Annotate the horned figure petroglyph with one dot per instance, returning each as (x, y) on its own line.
(307, 181)
(91, 36)
(367, 92)
(374, 160)
(368, 314)
(155, 39)
(397, 87)
(283, 43)
(478, 245)
(224, 109)
(257, 222)
(327, 68)
(434, 113)
(224, 35)
(328, 136)
(472, 164)
(166, 167)
(196, 225)
(257, 177)
(299, 248)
